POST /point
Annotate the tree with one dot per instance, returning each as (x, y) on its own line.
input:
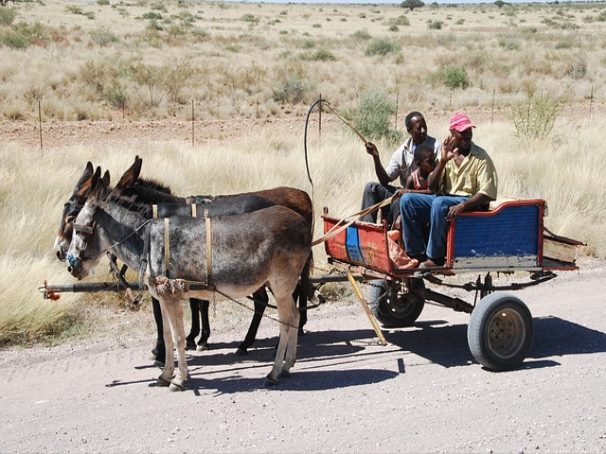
(412, 4)
(499, 3)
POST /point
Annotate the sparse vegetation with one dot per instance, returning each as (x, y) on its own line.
(373, 117)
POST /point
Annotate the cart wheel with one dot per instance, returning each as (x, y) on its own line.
(500, 331)
(394, 304)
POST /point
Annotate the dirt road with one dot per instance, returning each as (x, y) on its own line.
(421, 393)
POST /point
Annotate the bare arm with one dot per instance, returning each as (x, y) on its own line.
(371, 149)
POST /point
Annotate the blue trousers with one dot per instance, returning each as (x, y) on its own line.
(420, 210)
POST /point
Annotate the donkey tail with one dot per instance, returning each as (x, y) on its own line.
(307, 287)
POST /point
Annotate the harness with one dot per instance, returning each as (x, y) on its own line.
(167, 259)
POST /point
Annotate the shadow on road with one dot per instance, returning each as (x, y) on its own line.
(322, 355)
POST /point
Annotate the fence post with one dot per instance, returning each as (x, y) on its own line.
(590, 102)
(492, 111)
(193, 137)
(40, 122)
(396, 116)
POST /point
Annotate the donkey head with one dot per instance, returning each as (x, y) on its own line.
(78, 198)
(86, 247)
(71, 209)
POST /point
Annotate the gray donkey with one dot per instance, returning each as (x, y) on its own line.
(227, 256)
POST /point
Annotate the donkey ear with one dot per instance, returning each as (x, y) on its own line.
(106, 179)
(131, 175)
(84, 185)
(99, 186)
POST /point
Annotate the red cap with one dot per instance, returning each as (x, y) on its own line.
(460, 122)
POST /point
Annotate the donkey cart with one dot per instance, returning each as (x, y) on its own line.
(508, 238)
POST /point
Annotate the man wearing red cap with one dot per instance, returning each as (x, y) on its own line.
(464, 180)
(401, 165)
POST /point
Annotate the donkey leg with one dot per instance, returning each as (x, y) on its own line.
(169, 365)
(176, 325)
(261, 299)
(194, 305)
(287, 345)
(159, 351)
(299, 295)
(203, 342)
(293, 332)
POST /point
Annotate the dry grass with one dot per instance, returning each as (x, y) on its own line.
(565, 170)
(267, 59)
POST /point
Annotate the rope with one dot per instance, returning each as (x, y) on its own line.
(349, 220)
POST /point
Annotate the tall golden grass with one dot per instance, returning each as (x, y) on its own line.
(566, 170)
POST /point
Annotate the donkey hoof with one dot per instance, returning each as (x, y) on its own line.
(270, 381)
(241, 351)
(190, 344)
(285, 374)
(163, 382)
(176, 387)
(202, 347)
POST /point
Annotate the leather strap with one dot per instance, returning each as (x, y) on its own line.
(194, 210)
(209, 252)
(154, 212)
(166, 246)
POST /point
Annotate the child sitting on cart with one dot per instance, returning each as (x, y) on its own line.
(417, 181)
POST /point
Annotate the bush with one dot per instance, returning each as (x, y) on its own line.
(452, 76)
(290, 90)
(373, 117)
(535, 118)
(435, 24)
(7, 16)
(380, 46)
(361, 35)
(103, 37)
(250, 19)
(23, 35)
(102, 2)
(412, 4)
(320, 55)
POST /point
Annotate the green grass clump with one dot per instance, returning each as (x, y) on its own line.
(452, 76)
(382, 47)
(7, 16)
(373, 117)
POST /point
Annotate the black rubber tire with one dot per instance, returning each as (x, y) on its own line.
(500, 332)
(393, 304)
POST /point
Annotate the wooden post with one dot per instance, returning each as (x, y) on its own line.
(395, 126)
(40, 122)
(193, 137)
(590, 102)
(492, 111)
(320, 125)
(369, 314)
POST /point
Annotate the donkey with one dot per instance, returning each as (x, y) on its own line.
(147, 191)
(153, 192)
(243, 253)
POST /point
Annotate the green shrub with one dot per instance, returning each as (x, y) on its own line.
(152, 15)
(435, 24)
(7, 16)
(320, 55)
(393, 28)
(290, 90)
(535, 118)
(509, 44)
(453, 76)
(103, 37)
(102, 2)
(250, 19)
(22, 35)
(378, 46)
(361, 35)
(373, 117)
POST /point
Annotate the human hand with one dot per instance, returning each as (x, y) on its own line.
(448, 148)
(400, 192)
(371, 149)
(454, 210)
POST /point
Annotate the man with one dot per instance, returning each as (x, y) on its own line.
(401, 165)
(466, 180)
